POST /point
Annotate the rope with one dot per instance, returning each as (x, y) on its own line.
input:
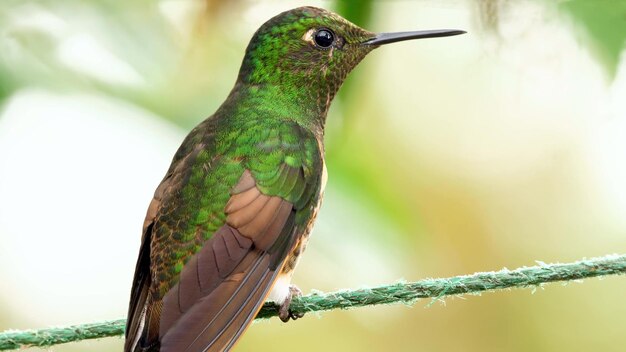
(401, 292)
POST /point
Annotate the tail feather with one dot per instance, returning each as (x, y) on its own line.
(213, 322)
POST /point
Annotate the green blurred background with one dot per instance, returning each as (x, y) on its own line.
(446, 156)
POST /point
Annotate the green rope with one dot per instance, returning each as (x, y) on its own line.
(11, 340)
(396, 293)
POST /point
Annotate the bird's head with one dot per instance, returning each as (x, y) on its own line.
(305, 46)
(307, 52)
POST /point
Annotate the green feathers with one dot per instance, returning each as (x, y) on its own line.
(271, 124)
(283, 157)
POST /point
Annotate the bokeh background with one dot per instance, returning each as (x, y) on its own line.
(446, 156)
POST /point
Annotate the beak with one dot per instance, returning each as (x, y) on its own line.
(386, 38)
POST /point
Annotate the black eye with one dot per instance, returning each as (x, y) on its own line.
(324, 38)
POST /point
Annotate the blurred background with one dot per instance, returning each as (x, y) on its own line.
(446, 156)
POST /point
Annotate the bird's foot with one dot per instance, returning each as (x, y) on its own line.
(284, 313)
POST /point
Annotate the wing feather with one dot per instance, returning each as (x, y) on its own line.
(197, 289)
(211, 304)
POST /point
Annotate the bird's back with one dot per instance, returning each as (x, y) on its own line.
(238, 196)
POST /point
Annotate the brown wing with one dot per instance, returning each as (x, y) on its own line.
(223, 286)
(225, 278)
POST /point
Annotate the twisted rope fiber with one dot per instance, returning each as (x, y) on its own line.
(395, 293)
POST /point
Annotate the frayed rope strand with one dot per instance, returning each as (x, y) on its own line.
(396, 293)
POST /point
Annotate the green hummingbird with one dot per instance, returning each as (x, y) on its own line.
(233, 213)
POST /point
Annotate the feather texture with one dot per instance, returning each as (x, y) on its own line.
(197, 289)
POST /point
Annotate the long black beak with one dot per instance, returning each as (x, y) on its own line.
(386, 38)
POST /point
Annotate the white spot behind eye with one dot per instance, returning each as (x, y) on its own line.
(308, 36)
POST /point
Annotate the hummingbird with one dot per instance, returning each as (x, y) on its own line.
(232, 216)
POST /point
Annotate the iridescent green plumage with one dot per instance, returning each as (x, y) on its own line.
(234, 211)
(192, 215)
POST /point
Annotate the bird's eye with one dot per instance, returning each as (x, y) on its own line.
(324, 38)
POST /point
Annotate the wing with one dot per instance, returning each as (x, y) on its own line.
(271, 190)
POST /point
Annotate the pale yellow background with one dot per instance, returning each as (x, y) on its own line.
(446, 156)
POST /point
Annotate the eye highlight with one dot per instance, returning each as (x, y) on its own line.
(324, 38)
